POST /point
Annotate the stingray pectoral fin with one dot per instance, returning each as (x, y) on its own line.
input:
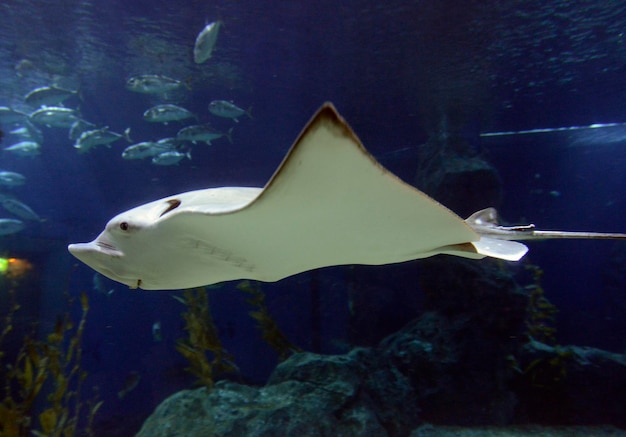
(501, 249)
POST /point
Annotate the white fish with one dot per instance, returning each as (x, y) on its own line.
(205, 42)
(328, 203)
(11, 179)
(225, 109)
(166, 113)
(170, 158)
(10, 226)
(24, 149)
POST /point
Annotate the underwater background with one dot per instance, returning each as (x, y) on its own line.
(420, 83)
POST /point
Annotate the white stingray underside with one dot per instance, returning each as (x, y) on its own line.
(329, 203)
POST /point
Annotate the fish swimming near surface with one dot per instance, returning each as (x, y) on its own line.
(48, 96)
(11, 179)
(24, 149)
(204, 133)
(154, 84)
(328, 203)
(225, 109)
(205, 42)
(166, 113)
(10, 226)
(55, 116)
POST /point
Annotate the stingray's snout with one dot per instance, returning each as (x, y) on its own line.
(104, 258)
(96, 254)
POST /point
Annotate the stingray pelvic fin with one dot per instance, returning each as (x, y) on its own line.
(495, 240)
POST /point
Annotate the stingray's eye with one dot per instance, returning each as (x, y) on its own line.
(124, 226)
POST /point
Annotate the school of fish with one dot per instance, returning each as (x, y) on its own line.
(52, 107)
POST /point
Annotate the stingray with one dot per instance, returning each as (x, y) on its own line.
(328, 203)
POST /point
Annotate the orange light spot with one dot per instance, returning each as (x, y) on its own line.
(18, 267)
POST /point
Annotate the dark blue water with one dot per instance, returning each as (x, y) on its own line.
(393, 70)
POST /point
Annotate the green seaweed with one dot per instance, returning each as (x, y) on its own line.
(49, 366)
(270, 331)
(203, 340)
(541, 312)
(549, 371)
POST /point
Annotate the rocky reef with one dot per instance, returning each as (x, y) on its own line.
(464, 362)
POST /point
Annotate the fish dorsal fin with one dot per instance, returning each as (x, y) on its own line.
(493, 241)
(485, 217)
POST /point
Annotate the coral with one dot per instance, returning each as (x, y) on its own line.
(202, 339)
(267, 325)
(53, 366)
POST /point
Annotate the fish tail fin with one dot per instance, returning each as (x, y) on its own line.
(188, 155)
(127, 134)
(249, 112)
(229, 135)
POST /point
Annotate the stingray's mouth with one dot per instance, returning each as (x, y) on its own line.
(106, 248)
(104, 245)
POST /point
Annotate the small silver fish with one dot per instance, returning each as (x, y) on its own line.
(11, 179)
(78, 127)
(24, 149)
(157, 334)
(203, 132)
(19, 131)
(10, 226)
(154, 84)
(130, 383)
(146, 149)
(98, 282)
(48, 96)
(97, 137)
(166, 113)
(55, 116)
(19, 209)
(27, 131)
(225, 109)
(8, 115)
(205, 42)
(170, 158)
